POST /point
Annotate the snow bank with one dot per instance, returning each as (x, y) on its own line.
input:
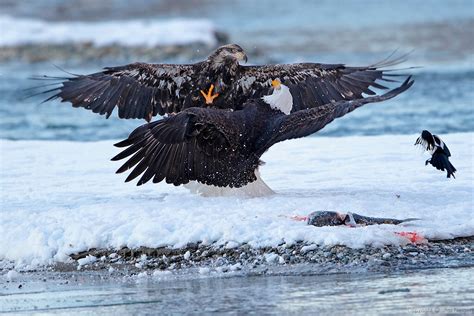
(58, 198)
(17, 31)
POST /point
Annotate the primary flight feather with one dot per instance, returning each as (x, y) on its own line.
(142, 90)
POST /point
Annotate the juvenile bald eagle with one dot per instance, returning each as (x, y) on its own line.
(223, 147)
(143, 90)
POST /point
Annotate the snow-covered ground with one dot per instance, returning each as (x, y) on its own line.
(60, 197)
(152, 32)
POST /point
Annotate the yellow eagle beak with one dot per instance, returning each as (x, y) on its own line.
(276, 84)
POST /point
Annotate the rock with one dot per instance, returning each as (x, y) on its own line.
(246, 257)
(386, 255)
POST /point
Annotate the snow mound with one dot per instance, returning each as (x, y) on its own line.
(59, 198)
(18, 31)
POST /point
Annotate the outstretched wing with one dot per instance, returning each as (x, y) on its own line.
(309, 121)
(138, 90)
(312, 84)
(190, 145)
(441, 145)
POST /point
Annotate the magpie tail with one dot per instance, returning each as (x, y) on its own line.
(441, 162)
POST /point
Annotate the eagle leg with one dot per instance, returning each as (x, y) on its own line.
(209, 97)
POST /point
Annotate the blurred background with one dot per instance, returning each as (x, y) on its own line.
(82, 36)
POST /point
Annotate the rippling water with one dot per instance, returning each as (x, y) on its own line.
(439, 101)
(429, 292)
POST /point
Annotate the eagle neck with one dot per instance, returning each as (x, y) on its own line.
(227, 66)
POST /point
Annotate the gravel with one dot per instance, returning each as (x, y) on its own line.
(33, 53)
(201, 258)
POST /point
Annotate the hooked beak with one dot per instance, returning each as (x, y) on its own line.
(276, 84)
(242, 56)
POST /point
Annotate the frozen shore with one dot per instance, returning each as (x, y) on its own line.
(63, 198)
(140, 32)
(298, 258)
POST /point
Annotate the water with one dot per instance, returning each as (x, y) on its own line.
(423, 292)
(439, 101)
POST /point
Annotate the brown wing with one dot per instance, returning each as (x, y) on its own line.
(138, 90)
(191, 145)
(313, 84)
(309, 121)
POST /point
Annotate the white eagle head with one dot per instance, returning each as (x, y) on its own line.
(281, 98)
(232, 52)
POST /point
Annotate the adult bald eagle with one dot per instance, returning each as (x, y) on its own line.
(223, 147)
(143, 90)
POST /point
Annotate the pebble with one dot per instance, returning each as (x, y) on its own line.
(248, 258)
(33, 53)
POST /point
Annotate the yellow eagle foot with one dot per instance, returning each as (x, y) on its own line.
(209, 97)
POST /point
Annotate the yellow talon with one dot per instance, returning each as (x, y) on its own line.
(209, 97)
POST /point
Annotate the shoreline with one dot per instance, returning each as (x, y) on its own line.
(300, 258)
(112, 53)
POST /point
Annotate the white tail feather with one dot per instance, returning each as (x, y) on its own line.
(258, 188)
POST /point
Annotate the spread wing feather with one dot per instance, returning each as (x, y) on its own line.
(141, 90)
(138, 90)
(196, 144)
(313, 84)
(309, 121)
